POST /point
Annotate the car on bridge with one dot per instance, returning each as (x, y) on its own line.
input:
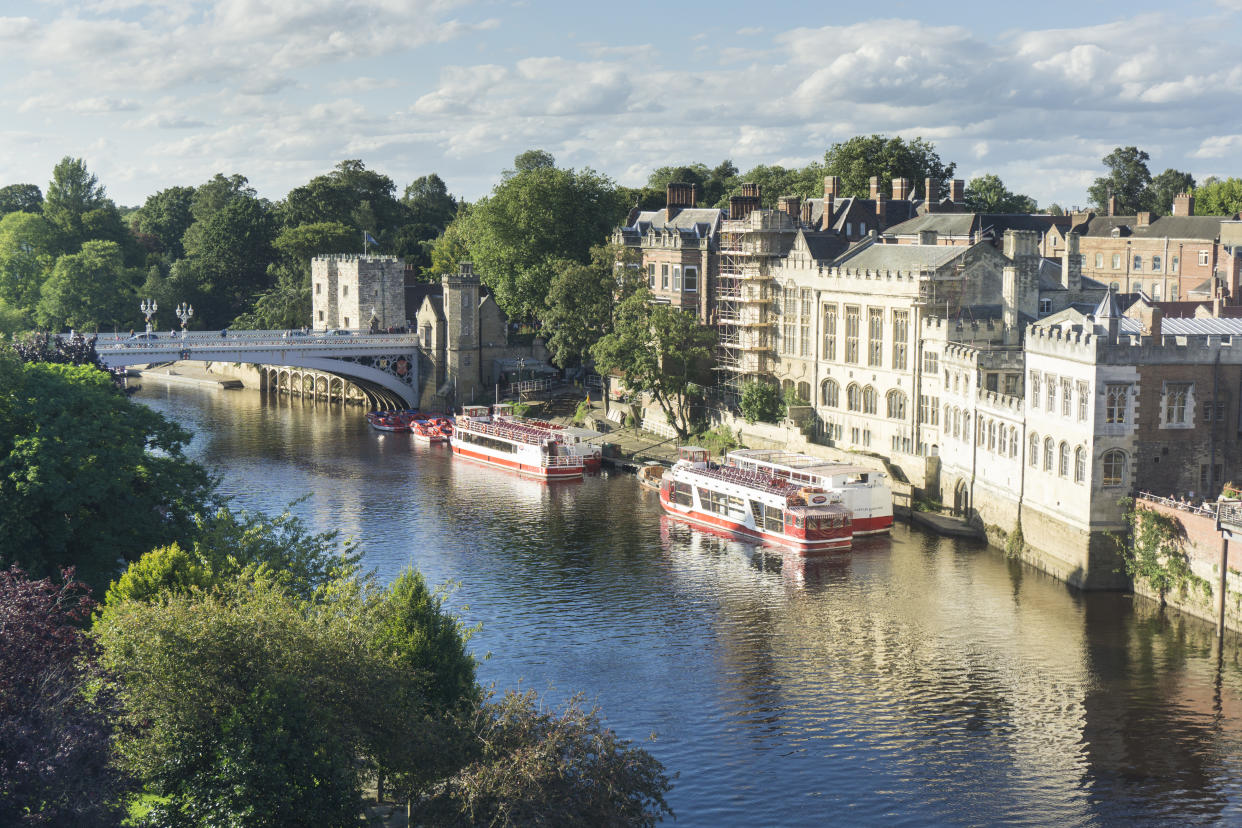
(144, 337)
(338, 332)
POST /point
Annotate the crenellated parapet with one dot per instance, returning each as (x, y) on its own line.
(998, 401)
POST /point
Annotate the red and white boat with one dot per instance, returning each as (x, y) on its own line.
(577, 441)
(754, 505)
(529, 449)
(864, 491)
(388, 420)
(427, 431)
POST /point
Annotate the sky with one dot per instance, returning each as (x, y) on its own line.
(158, 93)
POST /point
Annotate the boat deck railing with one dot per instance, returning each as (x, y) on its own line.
(508, 430)
(754, 480)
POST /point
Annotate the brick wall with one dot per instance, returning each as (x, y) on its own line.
(1202, 545)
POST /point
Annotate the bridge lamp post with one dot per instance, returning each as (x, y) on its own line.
(148, 307)
(185, 312)
(521, 361)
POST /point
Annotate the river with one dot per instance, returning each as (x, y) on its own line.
(913, 681)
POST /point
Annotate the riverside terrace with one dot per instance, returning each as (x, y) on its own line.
(384, 365)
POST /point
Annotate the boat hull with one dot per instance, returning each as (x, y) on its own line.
(527, 469)
(721, 524)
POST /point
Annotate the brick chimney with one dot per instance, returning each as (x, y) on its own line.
(957, 191)
(1143, 219)
(881, 205)
(806, 213)
(901, 189)
(1183, 204)
(931, 193)
(790, 206)
(680, 196)
(741, 206)
(832, 185)
(875, 187)
(1112, 204)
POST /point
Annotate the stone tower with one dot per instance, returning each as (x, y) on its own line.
(462, 353)
(357, 292)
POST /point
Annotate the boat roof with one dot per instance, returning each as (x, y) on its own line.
(801, 462)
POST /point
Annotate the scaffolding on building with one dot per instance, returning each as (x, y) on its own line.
(749, 248)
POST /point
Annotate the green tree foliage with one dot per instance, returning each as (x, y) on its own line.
(302, 243)
(660, 350)
(245, 706)
(761, 401)
(430, 209)
(1127, 179)
(164, 218)
(1165, 187)
(286, 304)
(448, 251)
(27, 252)
(864, 156)
(532, 159)
(531, 220)
(229, 252)
(351, 195)
(73, 192)
(90, 290)
(533, 766)
(581, 298)
(87, 478)
(988, 194)
(1216, 197)
(26, 198)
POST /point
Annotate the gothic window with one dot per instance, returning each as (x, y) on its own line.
(1082, 402)
(869, 400)
(853, 397)
(1113, 464)
(1049, 448)
(992, 435)
(1115, 403)
(1175, 394)
(804, 392)
(1013, 441)
(1080, 465)
(896, 405)
(830, 332)
(1034, 459)
(1066, 397)
(829, 393)
(1064, 460)
(875, 336)
(1034, 389)
(851, 333)
(1051, 383)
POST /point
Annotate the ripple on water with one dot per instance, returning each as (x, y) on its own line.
(913, 681)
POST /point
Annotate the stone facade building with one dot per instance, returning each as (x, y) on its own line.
(353, 292)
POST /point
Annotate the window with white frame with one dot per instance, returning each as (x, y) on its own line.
(1113, 466)
(1080, 465)
(691, 283)
(1176, 396)
(1138, 262)
(677, 277)
(1203, 258)
(1115, 400)
(1116, 261)
(1099, 261)
(1156, 263)
(664, 277)
(651, 276)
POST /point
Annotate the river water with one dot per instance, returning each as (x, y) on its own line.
(913, 681)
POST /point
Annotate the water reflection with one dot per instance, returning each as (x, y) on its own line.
(913, 681)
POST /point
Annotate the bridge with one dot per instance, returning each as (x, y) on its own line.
(384, 366)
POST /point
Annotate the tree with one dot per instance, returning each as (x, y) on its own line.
(246, 706)
(864, 156)
(27, 253)
(229, 252)
(165, 216)
(532, 159)
(1127, 180)
(430, 209)
(1165, 187)
(73, 192)
(531, 220)
(447, 252)
(988, 194)
(88, 478)
(581, 298)
(660, 350)
(531, 766)
(89, 290)
(1216, 197)
(26, 198)
(351, 195)
(54, 742)
(761, 401)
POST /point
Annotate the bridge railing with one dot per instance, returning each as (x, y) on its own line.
(268, 340)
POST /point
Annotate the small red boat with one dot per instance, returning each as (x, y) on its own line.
(390, 420)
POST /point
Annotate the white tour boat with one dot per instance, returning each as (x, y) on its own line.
(754, 505)
(864, 491)
(529, 449)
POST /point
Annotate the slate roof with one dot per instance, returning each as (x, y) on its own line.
(900, 257)
(703, 221)
(1050, 275)
(964, 224)
(825, 246)
(855, 209)
(1205, 228)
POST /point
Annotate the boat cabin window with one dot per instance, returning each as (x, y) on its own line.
(692, 454)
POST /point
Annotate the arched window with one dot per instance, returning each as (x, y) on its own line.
(966, 426)
(830, 393)
(948, 419)
(1034, 450)
(896, 405)
(787, 388)
(1000, 440)
(1013, 442)
(1080, 465)
(1063, 461)
(1113, 464)
(991, 435)
(869, 400)
(1049, 449)
(804, 392)
(853, 397)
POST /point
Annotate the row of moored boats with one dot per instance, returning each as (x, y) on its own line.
(794, 500)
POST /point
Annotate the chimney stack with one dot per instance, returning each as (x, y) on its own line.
(1112, 204)
(957, 191)
(1183, 204)
(1071, 266)
(1022, 248)
(901, 189)
(806, 213)
(790, 206)
(930, 191)
(832, 185)
(1143, 219)
(1009, 304)
(1157, 326)
(875, 188)
(741, 206)
(680, 196)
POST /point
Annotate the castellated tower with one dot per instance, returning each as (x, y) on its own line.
(1020, 281)
(357, 292)
(461, 324)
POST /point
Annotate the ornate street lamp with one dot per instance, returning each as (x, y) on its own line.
(148, 307)
(184, 312)
(521, 361)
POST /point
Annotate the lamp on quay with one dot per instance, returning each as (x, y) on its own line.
(185, 311)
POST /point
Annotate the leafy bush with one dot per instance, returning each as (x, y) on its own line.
(761, 401)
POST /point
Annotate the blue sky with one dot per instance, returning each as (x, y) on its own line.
(156, 93)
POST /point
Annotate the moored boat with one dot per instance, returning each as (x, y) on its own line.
(388, 420)
(866, 492)
(649, 476)
(753, 505)
(427, 431)
(574, 441)
(529, 449)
